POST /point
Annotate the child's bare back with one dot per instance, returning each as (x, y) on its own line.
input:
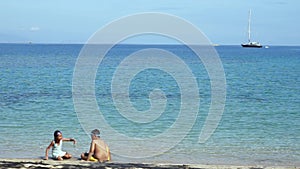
(101, 151)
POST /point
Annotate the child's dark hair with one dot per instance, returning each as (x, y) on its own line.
(56, 133)
(96, 132)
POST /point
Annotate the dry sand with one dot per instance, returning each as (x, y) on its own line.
(75, 163)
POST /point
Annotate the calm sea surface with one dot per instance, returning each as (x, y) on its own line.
(260, 123)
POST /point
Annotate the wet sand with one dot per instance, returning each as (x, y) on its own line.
(75, 163)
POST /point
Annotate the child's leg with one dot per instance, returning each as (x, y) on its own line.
(59, 158)
(84, 156)
(67, 156)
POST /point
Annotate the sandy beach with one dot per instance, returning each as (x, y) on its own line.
(75, 163)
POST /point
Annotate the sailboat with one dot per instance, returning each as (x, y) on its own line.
(251, 44)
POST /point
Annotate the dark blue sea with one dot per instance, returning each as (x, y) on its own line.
(260, 123)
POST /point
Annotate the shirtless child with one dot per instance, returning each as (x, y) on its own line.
(99, 150)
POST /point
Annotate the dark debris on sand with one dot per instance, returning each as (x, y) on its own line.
(76, 164)
(84, 165)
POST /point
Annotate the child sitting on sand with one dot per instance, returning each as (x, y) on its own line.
(99, 150)
(56, 145)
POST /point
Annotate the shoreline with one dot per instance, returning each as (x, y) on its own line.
(75, 163)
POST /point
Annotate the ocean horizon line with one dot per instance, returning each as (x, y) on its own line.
(141, 44)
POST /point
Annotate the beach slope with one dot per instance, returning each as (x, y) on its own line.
(74, 163)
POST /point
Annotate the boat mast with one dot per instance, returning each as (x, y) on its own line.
(249, 32)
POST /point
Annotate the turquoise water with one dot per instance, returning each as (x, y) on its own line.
(260, 123)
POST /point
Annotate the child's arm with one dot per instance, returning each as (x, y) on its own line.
(69, 139)
(47, 149)
(91, 152)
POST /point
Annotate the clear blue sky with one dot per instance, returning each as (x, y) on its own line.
(274, 22)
